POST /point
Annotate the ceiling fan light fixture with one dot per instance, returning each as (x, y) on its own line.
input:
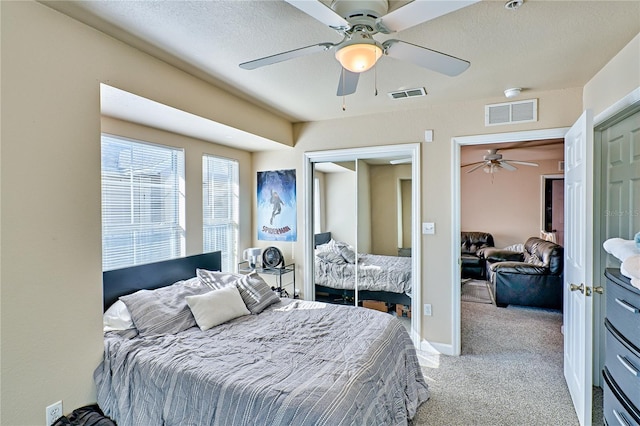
(359, 55)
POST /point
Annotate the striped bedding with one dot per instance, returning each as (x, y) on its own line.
(375, 273)
(296, 363)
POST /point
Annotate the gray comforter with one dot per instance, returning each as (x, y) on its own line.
(375, 273)
(296, 363)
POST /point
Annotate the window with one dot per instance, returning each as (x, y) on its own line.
(143, 203)
(220, 205)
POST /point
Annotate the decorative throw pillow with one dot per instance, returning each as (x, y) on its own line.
(256, 293)
(162, 311)
(217, 279)
(331, 257)
(348, 253)
(217, 306)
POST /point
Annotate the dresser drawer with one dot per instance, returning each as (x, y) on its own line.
(623, 311)
(623, 363)
(615, 412)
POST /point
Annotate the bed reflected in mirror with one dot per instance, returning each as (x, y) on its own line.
(362, 221)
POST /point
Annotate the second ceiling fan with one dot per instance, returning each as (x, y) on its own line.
(492, 162)
(357, 21)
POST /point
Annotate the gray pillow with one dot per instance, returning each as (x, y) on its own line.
(216, 279)
(255, 292)
(164, 310)
(349, 254)
(331, 257)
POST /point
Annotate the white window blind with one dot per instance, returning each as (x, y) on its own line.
(220, 203)
(143, 203)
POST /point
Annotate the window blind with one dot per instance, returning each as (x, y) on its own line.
(220, 203)
(143, 203)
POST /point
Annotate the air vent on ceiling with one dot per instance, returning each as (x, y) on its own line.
(409, 93)
(511, 112)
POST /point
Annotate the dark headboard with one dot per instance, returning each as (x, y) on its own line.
(323, 238)
(119, 282)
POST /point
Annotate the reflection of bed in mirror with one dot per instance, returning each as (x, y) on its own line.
(380, 278)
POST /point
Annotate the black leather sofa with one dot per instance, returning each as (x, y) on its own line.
(532, 277)
(473, 265)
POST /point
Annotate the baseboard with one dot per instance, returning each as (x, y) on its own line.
(436, 348)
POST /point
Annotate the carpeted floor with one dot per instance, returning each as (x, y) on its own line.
(475, 291)
(510, 372)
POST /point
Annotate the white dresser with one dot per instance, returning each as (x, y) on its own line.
(622, 360)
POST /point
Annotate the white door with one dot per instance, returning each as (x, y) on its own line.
(578, 237)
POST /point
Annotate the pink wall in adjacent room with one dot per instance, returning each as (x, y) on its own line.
(509, 207)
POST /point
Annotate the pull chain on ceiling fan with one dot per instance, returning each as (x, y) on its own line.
(358, 21)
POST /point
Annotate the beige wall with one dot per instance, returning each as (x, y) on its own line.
(384, 207)
(51, 301)
(619, 77)
(509, 207)
(340, 207)
(364, 207)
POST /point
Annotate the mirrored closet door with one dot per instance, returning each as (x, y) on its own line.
(361, 223)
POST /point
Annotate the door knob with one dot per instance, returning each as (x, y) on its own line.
(599, 289)
(574, 287)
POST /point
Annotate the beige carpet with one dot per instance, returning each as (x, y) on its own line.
(475, 291)
(510, 372)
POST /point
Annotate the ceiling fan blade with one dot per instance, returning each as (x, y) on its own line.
(348, 82)
(482, 164)
(320, 12)
(417, 12)
(524, 163)
(285, 56)
(507, 166)
(426, 58)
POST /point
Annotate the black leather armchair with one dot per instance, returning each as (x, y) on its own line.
(473, 265)
(532, 277)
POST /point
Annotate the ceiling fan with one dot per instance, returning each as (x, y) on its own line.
(493, 162)
(357, 21)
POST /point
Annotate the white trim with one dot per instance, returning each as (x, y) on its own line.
(350, 154)
(456, 143)
(436, 348)
(627, 101)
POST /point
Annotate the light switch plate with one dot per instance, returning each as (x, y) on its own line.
(428, 228)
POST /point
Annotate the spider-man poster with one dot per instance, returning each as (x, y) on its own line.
(277, 205)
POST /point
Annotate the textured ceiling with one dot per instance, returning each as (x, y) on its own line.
(545, 45)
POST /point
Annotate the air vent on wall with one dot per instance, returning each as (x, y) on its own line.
(511, 112)
(409, 93)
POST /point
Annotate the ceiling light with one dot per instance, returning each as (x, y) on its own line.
(513, 92)
(359, 54)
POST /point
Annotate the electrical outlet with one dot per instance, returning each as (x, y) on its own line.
(54, 412)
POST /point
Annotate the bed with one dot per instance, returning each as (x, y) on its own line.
(295, 362)
(381, 278)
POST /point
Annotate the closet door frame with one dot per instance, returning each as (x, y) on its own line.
(351, 154)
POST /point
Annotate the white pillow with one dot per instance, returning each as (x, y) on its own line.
(217, 306)
(117, 318)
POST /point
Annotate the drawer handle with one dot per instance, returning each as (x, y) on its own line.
(621, 418)
(629, 307)
(627, 364)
